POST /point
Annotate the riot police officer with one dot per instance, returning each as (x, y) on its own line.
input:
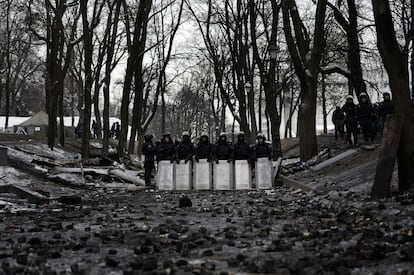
(385, 108)
(185, 148)
(262, 149)
(222, 149)
(351, 121)
(204, 149)
(149, 152)
(241, 150)
(166, 149)
(365, 114)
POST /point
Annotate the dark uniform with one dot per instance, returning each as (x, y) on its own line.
(262, 149)
(204, 149)
(185, 149)
(166, 149)
(365, 114)
(222, 149)
(351, 122)
(149, 151)
(385, 108)
(338, 119)
(241, 150)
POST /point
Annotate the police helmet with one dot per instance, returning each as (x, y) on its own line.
(223, 134)
(350, 97)
(185, 133)
(204, 134)
(260, 135)
(241, 133)
(363, 95)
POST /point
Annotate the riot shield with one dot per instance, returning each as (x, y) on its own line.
(263, 172)
(165, 175)
(183, 176)
(202, 175)
(222, 175)
(242, 175)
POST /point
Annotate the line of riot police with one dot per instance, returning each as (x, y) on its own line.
(184, 150)
(365, 117)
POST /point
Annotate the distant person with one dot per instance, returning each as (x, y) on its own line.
(149, 152)
(79, 130)
(112, 134)
(204, 149)
(385, 108)
(222, 149)
(241, 150)
(365, 114)
(117, 132)
(166, 149)
(185, 148)
(94, 129)
(351, 121)
(338, 119)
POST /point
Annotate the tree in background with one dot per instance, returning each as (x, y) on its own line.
(21, 68)
(306, 57)
(55, 23)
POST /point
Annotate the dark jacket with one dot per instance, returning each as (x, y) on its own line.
(148, 149)
(262, 150)
(338, 116)
(364, 111)
(385, 108)
(241, 150)
(185, 150)
(222, 150)
(166, 151)
(204, 150)
(350, 110)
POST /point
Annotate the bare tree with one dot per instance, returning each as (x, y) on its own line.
(306, 61)
(110, 53)
(60, 26)
(136, 45)
(267, 76)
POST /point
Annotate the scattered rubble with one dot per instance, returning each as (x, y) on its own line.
(108, 225)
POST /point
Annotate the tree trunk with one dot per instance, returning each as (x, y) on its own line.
(306, 62)
(395, 62)
(307, 124)
(108, 69)
(354, 54)
(8, 65)
(260, 108)
(88, 54)
(96, 110)
(163, 108)
(137, 112)
(268, 78)
(387, 156)
(412, 51)
(324, 112)
(61, 112)
(350, 26)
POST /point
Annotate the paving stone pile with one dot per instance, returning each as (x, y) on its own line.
(282, 231)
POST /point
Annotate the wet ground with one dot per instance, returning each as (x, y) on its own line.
(335, 229)
(284, 231)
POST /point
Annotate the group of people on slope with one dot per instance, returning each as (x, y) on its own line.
(370, 118)
(185, 150)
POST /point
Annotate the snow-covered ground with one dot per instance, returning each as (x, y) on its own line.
(15, 121)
